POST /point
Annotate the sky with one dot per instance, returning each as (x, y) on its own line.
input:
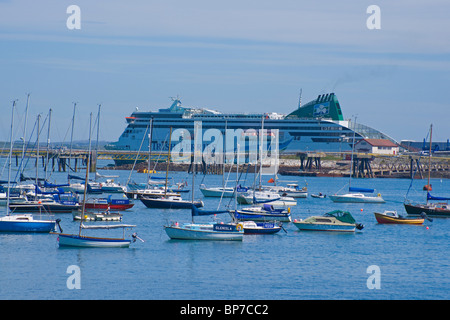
(232, 56)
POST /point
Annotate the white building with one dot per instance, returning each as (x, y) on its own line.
(377, 146)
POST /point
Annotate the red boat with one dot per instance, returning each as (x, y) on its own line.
(108, 203)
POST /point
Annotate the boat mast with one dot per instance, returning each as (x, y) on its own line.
(10, 156)
(48, 142)
(37, 154)
(96, 145)
(429, 161)
(351, 161)
(71, 135)
(24, 133)
(168, 162)
(150, 138)
(237, 181)
(261, 140)
(87, 176)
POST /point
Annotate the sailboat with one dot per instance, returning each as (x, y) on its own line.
(21, 222)
(356, 195)
(440, 209)
(258, 225)
(169, 201)
(204, 231)
(82, 240)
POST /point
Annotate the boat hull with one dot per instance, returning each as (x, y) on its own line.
(305, 226)
(71, 240)
(261, 228)
(111, 206)
(433, 211)
(51, 208)
(167, 204)
(352, 199)
(217, 192)
(381, 218)
(261, 216)
(16, 224)
(203, 232)
(274, 202)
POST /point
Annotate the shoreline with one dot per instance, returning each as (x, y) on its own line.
(379, 168)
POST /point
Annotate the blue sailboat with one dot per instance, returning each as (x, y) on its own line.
(21, 222)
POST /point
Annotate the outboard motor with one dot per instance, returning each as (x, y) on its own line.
(423, 215)
(59, 226)
(359, 226)
(135, 236)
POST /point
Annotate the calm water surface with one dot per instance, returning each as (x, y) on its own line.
(413, 260)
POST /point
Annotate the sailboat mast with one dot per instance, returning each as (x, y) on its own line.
(87, 175)
(168, 162)
(150, 138)
(24, 133)
(351, 161)
(10, 156)
(261, 152)
(71, 135)
(48, 142)
(96, 145)
(237, 180)
(429, 160)
(37, 152)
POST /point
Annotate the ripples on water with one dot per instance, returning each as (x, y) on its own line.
(413, 260)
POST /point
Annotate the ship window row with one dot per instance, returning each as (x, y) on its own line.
(243, 126)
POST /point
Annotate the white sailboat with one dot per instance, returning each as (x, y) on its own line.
(356, 195)
(82, 240)
(204, 231)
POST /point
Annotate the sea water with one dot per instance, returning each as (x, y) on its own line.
(411, 261)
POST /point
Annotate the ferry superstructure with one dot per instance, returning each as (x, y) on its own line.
(317, 126)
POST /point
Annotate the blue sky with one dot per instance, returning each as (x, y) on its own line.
(233, 56)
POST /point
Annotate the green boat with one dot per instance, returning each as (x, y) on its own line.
(337, 220)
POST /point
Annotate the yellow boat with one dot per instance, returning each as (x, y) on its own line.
(393, 218)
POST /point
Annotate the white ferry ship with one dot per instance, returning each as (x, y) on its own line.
(317, 126)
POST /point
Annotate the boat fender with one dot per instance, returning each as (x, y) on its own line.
(289, 209)
(239, 227)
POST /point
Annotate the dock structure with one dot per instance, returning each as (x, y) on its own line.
(361, 166)
(64, 160)
(313, 161)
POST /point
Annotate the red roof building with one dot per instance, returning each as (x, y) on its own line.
(377, 146)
